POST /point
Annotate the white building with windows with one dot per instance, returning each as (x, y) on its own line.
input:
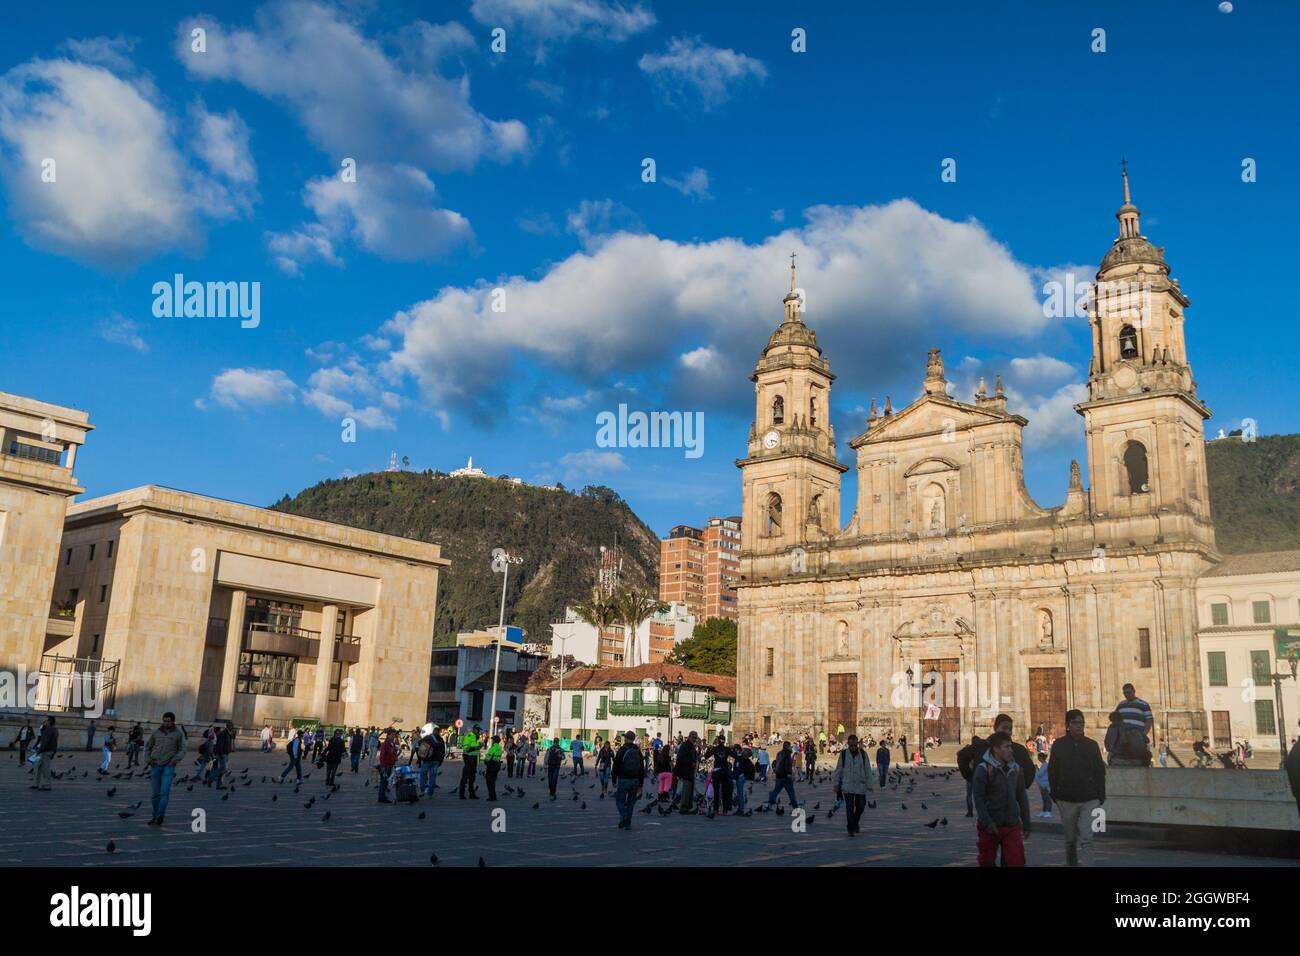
(656, 637)
(1241, 604)
(608, 701)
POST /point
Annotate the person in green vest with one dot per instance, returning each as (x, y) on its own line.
(469, 746)
(821, 741)
(492, 767)
(839, 732)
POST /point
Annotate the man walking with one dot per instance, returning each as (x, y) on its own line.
(333, 755)
(387, 761)
(575, 750)
(629, 778)
(164, 751)
(554, 762)
(684, 770)
(47, 746)
(431, 753)
(24, 738)
(783, 769)
(355, 747)
(1076, 775)
(469, 747)
(1001, 805)
(492, 767)
(90, 734)
(882, 763)
(293, 750)
(852, 781)
(221, 748)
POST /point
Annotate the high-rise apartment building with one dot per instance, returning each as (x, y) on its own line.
(699, 567)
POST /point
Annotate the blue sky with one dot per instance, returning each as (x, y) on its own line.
(522, 171)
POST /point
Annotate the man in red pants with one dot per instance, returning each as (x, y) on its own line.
(1000, 804)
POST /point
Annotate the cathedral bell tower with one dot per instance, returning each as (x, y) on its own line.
(791, 476)
(1143, 421)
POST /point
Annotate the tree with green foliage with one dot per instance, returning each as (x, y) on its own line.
(711, 648)
(635, 606)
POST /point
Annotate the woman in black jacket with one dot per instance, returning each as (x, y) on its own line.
(721, 755)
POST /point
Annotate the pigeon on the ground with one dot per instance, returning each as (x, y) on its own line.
(933, 823)
(112, 847)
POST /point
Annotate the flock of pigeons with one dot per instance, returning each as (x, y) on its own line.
(233, 782)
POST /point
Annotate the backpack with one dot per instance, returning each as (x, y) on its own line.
(425, 751)
(630, 764)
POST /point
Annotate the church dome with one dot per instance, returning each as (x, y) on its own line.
(1133, 250)
(793, 332)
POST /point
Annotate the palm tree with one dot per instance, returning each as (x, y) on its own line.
(634, 607)
(600, 612)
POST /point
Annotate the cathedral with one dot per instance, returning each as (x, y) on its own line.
(951, 595)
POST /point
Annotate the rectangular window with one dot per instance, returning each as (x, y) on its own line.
(771, 661)
(272, 675)
(110, 549)
(637, 696)
(1261, 667)
(68, 558)
(92, 553)
(1264, 721)
(1260, 610)
(513, 701)
(103, 592)
(94, 644)
(337, 675)
(1144, 647)
(1219, 615)
(602, 707)
(575, 709)
(1216, 662)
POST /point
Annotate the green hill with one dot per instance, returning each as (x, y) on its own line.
(1255, 493)
(557, 533)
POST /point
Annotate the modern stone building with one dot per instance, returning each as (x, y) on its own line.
(948, 566)
(38, 448)
(218, 610)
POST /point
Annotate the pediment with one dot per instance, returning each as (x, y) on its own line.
(928, 415)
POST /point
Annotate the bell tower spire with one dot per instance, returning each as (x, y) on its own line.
(794, 299)
(1129, 227)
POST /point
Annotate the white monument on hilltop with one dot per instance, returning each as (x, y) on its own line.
(469, 471)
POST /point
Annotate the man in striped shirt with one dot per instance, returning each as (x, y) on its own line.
(1137, 720)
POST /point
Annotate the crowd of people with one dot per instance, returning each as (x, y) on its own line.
(687, 774)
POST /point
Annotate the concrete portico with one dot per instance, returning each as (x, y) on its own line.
(219, 610)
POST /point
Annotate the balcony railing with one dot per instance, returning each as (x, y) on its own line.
(288, 639)
(655, 708)
(18, 449)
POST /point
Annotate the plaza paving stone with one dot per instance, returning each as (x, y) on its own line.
(72, 825)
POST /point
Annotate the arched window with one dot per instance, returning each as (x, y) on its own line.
(815, 511)
(1128, 342)
(778, 411)
(774, 514)
(1135, 468)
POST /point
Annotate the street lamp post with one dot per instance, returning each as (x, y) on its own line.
(921, 687)
(1281, 711)
(671, 687)
(559, 716)
(501, 565)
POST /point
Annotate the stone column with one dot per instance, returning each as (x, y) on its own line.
(324, 662)
(234, 643)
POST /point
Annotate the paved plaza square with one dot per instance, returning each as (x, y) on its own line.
(261, 823)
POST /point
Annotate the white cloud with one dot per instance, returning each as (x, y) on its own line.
(694, 184)
(691, 70)
(895, 273)
(353, 98)
(310, 242)
(558, 20)
(778, 215)
(1034, 389)
(240, 388)
(123, 191)
(594, 220)
(123, 331)
(578, 465)
(223, 144)
(346, 388)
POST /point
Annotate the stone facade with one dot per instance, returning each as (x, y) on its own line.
(948, 567)
(38, 448)
(181, 589)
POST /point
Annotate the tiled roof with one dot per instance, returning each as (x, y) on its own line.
(591, 678)
(506, 680)
(1265, 562)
